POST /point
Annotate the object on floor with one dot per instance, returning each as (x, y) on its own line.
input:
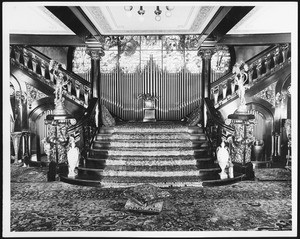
(146, 194)
(155, 207)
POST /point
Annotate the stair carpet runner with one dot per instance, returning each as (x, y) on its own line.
(160, 153)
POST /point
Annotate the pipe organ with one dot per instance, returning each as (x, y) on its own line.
(178, 93)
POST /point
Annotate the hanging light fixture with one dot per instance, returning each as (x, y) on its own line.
(128, 10)
(141, 12)
(169, 11)
(157, 12)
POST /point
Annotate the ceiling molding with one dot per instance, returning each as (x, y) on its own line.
(45, 40)
(255, 39)
(234, 15)
(69, 18)
(218, 17)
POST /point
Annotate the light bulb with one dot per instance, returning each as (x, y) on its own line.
(157, 18)
(170, 8)
(128, 8)
(168, 13)
(141, 18)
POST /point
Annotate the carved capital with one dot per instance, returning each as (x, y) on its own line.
(95, 54)
(206, 53)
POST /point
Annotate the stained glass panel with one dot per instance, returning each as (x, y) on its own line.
(173, 61)
(193, 62)
(82, 61)
(145, 57)
(151, 43)
(191, 42)
(172, 43)
(109, 61)
(129, 63)
(220, 61)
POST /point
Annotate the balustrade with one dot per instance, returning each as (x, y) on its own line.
(265, 63)
(37, 63)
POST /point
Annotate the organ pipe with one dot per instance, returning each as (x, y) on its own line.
(178, 93)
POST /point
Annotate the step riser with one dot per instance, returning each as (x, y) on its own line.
(152, 136)
(152, 153)
(129, 144)
(150, 143)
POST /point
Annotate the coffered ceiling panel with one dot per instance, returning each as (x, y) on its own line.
(114, 20)
(275, 18)
(31, 19)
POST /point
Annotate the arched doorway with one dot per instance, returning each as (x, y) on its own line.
(263, 128)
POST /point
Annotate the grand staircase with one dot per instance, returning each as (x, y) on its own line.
(165, 154)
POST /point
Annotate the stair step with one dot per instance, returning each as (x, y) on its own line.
(106, 130)
(152, 151)
(151, 168)
(142, 144)
(105, 137)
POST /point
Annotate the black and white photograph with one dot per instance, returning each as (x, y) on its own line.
(149, 119)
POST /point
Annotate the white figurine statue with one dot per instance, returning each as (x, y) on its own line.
(73, 158)
(223, 159)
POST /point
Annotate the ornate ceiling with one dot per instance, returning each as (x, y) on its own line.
(114, 20)
(73, 23)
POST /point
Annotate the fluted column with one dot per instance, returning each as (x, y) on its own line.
(206, 67)
(96, 52)
(205, 54)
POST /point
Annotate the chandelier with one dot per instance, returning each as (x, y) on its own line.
(142, 11)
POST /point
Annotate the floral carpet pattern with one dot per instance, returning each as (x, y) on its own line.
(38, 205)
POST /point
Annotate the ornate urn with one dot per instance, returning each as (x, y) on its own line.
(223, 159)
(73, 158)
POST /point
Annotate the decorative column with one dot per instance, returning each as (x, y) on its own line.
(26, 145)
(16, 136)
(59, 122)
(242, 122)
(96, 50)
(205, 54)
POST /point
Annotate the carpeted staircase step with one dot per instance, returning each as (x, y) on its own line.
(151, 151)
(142, 144)
(105, 144)
(151, 168)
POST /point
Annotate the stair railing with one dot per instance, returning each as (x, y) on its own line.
(37, 65)
(261, 66)
(85, 130)
(215, 128)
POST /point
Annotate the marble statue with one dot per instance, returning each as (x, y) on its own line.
(240, 77)
(73, 158)
(223, 159)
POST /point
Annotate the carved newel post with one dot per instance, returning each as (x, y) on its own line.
(59, 122)
(242, 122)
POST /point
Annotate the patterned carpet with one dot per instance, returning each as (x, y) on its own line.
(37, 206)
